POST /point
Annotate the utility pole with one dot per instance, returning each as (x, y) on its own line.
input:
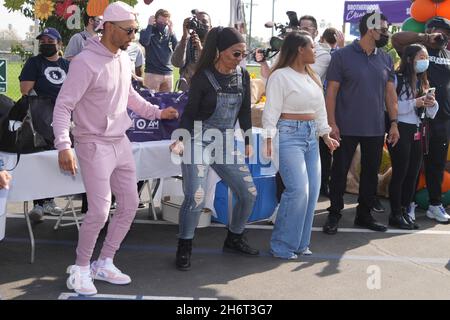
(250, 26)
(273, 15)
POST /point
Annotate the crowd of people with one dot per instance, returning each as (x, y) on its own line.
(324, 98)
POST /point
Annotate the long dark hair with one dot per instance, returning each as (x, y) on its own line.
(289, 52)
(210, 51)
(407, 76)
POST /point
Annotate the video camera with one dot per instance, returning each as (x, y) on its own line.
(277, 41)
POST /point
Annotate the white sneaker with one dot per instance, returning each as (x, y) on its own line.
(412, 211)
(437, 213)
(306, 252)
(106, 271)
(81, 281)
(36, 214)
(51, 208)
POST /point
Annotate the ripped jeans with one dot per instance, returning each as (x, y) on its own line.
(237, 177)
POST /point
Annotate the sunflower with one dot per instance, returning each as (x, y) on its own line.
(43, 9)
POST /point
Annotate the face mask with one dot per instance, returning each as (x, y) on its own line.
(384, 39)
(422, 65)
(47, 49)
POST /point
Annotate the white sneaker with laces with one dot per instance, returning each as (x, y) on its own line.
(105, 270)
(51, 208)
(412, 211)
(80, 280)
(437, 213)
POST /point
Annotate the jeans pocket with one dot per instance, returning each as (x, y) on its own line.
(287, 129)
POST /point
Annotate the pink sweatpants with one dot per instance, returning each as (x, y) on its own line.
(106, 167)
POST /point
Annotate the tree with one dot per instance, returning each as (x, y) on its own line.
(53, 13)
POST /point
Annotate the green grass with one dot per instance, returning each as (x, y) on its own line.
(14, 68)
(13, 86)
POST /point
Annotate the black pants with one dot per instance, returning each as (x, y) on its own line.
(406, 158)
(371, 153)
(436, 159)
(325, 162)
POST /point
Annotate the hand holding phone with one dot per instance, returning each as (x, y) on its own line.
(431, 92)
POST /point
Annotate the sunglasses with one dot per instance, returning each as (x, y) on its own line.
(129, 31)
(237, 54)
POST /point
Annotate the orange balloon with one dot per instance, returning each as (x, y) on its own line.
(423, 10)
(446, 182)
(443, 9)
(422, 182)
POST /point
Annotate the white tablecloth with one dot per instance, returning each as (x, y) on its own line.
(38, 175)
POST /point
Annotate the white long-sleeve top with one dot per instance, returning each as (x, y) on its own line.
(407, 110)
(289, 91)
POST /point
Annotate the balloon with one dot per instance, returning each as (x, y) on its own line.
(412, 25)
(443, 9)
(422, 182)
(446, 182)
(148, 1)
(423, 10)
(446, 199)
(423, 199)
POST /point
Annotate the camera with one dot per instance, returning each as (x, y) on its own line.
(277, 41)
(196, 26)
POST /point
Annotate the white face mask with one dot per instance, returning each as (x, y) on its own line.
(422, 65)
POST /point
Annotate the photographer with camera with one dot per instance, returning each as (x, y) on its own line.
(435, 39)
(189, 49)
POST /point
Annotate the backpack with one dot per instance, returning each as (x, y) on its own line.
(6, 104)
(27, 127)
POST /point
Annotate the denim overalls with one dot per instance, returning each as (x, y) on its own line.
(237, 176)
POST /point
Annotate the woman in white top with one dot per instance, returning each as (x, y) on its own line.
(295, 113)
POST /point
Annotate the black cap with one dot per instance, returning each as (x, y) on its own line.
(438, 23)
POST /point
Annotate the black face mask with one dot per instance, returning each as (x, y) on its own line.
(384, 39)
(47, 49)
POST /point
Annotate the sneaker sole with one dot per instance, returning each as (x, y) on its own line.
(70, 287)
(35, 217)
(227, 250)
(433, 217)
(111, 281)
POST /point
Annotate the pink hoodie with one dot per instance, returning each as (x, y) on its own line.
(98, 90)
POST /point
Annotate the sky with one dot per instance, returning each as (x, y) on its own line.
(329, 10)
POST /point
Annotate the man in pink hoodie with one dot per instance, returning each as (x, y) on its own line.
(97, 91)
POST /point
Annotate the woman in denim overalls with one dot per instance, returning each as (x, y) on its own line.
(217, 98)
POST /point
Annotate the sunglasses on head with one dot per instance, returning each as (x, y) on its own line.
(237, 54)
(129, 31)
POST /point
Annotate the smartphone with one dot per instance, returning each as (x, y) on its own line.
(431, 91)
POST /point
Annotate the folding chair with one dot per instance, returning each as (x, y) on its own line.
(151, 205)
(68, 205)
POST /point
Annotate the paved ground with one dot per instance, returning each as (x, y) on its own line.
(354, 264)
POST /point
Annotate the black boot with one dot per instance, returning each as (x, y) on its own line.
(409, 219)
(237, 243)
(397, 220)
(183, 261)
(331, 225)
(364, 219)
